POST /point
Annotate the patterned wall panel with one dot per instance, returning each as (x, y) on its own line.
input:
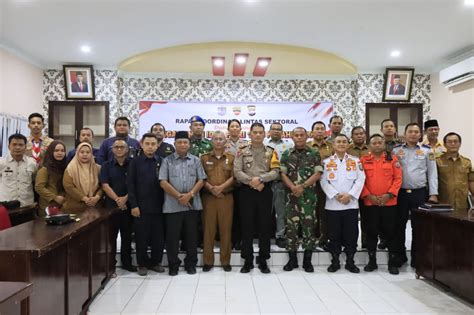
(106, 89)
(349, 96)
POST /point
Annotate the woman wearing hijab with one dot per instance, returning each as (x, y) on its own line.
(49, 179)
(81, 181)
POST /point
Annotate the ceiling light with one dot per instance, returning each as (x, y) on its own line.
(241, 59)
(218, 62)
(85, 49)
(395, 53)
(263, 63)
(469, 2)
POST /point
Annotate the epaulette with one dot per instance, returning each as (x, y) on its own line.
(425, 146)
(398, 145)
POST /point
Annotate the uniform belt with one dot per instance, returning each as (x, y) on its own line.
(409, 191)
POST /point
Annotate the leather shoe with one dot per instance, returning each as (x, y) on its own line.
(191, 270)
(263, 266)
(173, 272)
(227, 268)
(247, 267)
(130, 268)
(393, 270)
(280, 242)
(157, 268)
(206, 268)
(142, 271)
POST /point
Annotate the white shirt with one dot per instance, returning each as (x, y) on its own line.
(346, 176)
(16, 179)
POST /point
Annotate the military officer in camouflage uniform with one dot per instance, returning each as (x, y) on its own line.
(300, 169)
(325, 150)
(199, 144)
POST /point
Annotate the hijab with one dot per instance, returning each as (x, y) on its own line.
(51, 164)
(85, 176)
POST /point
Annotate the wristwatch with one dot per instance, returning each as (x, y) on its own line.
(261, 179)
(390, 195)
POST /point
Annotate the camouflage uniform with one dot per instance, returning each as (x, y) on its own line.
(299, 165)
(200, 146)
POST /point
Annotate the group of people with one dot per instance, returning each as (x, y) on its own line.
(232, 189)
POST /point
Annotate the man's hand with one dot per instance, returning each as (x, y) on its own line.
(121, 202)
(260, 187)
(136, 212)
(217, 190)
(297, 190)
(344, 198)
(184, 199)
(254, 182)
(384, 199)
(374, 199)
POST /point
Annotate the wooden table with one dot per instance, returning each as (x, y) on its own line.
(23, 214)
(67, 264)
(445, 250)
(13, 297)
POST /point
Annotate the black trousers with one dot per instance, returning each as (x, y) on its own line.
(380, 221)
(149, 232)
(123, 223)
(343, 230)
(406, 202)
(256, 214)
(236, 220)
(186, 221)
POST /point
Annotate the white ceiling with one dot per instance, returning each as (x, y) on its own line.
(429, 33)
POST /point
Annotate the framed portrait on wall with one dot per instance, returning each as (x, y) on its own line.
(79, 82)
(397, 84)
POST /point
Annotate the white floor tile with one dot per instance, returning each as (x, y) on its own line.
(280, 292)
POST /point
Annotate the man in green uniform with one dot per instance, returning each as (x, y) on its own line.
(300, 169)
(358, 147)
(325, 150)
(199, 144)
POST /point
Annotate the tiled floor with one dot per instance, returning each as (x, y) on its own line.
(279, 292)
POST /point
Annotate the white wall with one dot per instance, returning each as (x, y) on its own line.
(21, 86)
(454, 110)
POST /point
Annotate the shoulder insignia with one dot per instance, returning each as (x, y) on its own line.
(397, 164)
(431, 156)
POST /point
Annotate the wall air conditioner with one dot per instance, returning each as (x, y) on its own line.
(458, 73)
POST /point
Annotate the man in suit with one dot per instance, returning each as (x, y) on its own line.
(79, 85)
(396, 88)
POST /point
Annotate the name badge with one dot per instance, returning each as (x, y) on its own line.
(209, 163)
(8, 173)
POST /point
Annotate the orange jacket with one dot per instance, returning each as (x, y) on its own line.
(381, 177)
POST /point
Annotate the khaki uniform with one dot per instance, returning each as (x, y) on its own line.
(454, 177)
(217, 212)
(256, 206)
(232, 147)
(358, 151)
(325, 151)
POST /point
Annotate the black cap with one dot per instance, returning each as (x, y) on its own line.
(431, 123)
(181, 135)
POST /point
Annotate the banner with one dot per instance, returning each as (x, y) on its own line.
(175, 115)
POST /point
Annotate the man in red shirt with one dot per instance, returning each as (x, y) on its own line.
(382, 183)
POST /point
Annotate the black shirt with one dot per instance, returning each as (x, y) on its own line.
(115, 175)
(165, 149)
(144, 190)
